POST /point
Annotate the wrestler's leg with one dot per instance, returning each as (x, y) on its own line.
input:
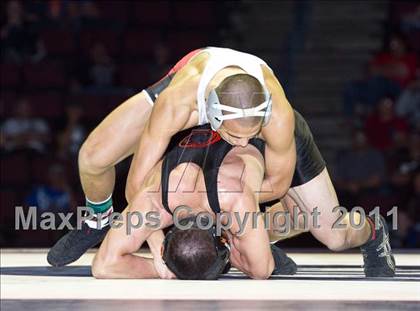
(117, 136)
(319, 193)
(281, 216)
(113, 140)
(277, 219)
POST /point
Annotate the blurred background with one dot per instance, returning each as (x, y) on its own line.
(350, 67)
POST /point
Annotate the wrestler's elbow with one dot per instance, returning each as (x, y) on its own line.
(279, 187)
(99, 271)
(262, 270)
(260, 273)
(102, 266)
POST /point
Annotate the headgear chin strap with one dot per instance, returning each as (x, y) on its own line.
(215, 110)
(222, 250)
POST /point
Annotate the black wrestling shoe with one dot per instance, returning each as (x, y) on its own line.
(284, 265)
(74, 244)
(377, 253)
(227, 268)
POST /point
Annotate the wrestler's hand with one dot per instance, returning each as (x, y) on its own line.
(162, 269)
(235, 256)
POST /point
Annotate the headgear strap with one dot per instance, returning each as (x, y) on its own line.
(215, 110)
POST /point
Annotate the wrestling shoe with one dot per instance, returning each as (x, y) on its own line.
(377, 253)
(283, 264)
(227, 268)
(74, 244)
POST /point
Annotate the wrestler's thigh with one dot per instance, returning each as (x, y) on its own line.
(117, 135)
(285, 214)
(318, 194)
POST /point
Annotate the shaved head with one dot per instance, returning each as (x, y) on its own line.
(242, 91)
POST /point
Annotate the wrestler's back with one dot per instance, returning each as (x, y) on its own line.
(187, 185)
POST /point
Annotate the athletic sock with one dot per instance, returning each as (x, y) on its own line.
(101, 212)
(371, 222)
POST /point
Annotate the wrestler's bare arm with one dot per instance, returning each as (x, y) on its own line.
(172, 112)
(280, 152)
(250, 249)
(115, 258)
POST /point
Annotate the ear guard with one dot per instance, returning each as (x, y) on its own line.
(222, 251)
(214, 110)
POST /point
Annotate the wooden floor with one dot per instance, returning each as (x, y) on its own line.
(324, 281)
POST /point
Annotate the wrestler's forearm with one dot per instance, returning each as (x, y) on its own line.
(147, 156)
(249, 242)
(128, 267)
(162, 125)
(155, 242)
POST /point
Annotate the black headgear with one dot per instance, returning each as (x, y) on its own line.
(222, 251)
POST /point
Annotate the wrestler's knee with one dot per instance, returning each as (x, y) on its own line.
(336, 240)
(91, 159)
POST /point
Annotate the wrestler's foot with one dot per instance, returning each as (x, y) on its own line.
(284, 265)
(227, 268)
(74, 244)
(377, 253)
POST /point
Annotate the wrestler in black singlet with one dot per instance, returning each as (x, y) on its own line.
(205, 148)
